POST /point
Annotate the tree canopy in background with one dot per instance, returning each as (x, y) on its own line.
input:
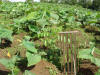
(94, 4)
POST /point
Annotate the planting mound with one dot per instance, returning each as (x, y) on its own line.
(45, 68)
(87, 68)
(42, 68)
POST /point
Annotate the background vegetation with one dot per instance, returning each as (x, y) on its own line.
(41, 22)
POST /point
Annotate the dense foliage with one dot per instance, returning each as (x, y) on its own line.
(41, 19)
(42, 22)
(93, 4)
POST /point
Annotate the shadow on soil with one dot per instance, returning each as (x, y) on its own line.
(83, 71)
(3, 72)
(5, 43)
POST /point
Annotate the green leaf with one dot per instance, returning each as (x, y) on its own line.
(32, 58)
(10, 63)
(71, 19)
(92, 21)
(42, 53)
(96, 61)
(31, 16)
(54, 16)
(33, 28)
(27, 38)
(86, 54)
(53, 21)
(16, 71)
(42, 22)
(6, 63)
(6, 34)
(29, 46)
(28, 73)
(45, 43)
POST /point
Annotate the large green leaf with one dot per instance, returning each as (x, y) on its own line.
(87, 54)
(29, 46)
(33, 28)
(32, 58)
(42, 22)
(71, 19)
(96, 61)
(54, 16)
(6, 34)
(31, 16)
(7, 63)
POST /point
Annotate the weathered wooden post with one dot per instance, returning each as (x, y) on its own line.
(69, 46)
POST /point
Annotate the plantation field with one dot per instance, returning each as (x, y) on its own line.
(29, 37)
